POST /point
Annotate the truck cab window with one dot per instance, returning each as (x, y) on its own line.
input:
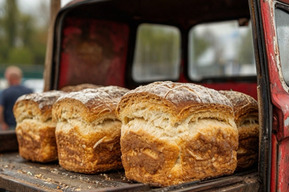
(157, 53)
(221, 49)
(282, 25)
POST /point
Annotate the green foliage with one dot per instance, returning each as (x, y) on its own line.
(245, 51)
(200, 44)
(20, 55)
(4, 49)
(158, 47)
(10, 20)
(22, 40)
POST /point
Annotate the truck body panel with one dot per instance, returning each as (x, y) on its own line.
(279, 96)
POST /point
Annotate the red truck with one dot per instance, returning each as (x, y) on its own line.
(222, 44)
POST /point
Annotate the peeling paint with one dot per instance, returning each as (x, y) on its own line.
(280, 99)
(277, 59)
(286, 122)
(287, 109)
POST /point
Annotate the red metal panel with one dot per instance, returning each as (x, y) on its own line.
(244, 87)
(96, 48)
(280, 96)
(283, 163)
(280, 100)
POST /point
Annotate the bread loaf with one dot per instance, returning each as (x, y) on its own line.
(88, 131)
(35, 129)
(175, 132)
(71, 88)
(246, 118)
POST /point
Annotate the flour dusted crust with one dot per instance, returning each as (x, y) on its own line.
(88, 131)
(175, 132)
(246, 118)
(79, 87)
(35, 129)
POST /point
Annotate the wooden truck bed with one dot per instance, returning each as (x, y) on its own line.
(17, 174)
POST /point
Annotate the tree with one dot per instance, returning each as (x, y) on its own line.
(8, 27)
(10, 21)
(23, 34)
(20, 55)
(157, 47)
(200, 43)
(246, 53)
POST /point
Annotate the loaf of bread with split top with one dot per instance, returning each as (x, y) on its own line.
(88, 131)
(35, 129)
(176, 132)
(247, 121)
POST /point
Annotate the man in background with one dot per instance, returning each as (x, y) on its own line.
(9, 96)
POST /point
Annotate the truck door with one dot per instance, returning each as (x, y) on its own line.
(270, 20)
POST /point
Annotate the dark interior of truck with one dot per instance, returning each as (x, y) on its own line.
(111, 30)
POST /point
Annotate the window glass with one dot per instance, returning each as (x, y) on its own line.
(282, 25)
(157, 54)
(221, 49)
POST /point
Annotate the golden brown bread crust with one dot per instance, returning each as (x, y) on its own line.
(246, 118)
(79, 87)
(88, 131)
(174, 132)
(178, 99)
(99, 103)
(35, 130)
(242, 103)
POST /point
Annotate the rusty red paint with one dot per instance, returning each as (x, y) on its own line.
(96, 48)
(280, 100)
(279, 165)
(280, 97)
(283, 162)
(282, 104)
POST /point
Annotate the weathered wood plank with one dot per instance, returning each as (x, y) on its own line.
(17, 174)
(8, 141)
